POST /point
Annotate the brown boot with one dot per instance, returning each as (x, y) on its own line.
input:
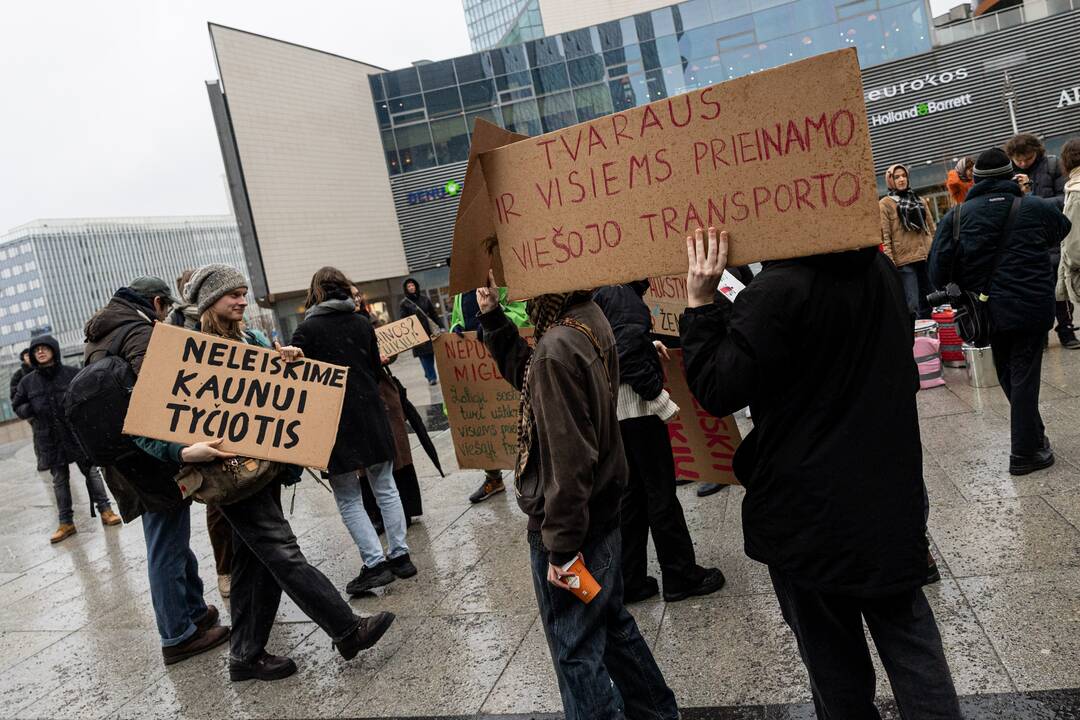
(200, 642)
(63, 532)
(108, 517)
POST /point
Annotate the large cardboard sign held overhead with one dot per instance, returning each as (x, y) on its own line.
(195, 387)
(474, 249)
(703, 445)
(481, 405)
(400, 335)
(780, 158)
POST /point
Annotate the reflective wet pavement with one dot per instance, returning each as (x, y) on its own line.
(77, 634)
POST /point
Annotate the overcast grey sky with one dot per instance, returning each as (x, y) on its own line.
(105, 110)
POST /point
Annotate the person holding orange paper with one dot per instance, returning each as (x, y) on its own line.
(570, 475)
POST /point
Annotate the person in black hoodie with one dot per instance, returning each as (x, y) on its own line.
(1020, 288)
(418, 304)
(24, 369)
(40, 398)
(833, 466)
(649, 501)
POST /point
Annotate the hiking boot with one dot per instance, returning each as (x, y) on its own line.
(198, 643)
(1023, 465)
(63, 532)
(489, 488)
(109, 518)
(266, 667)
(707, 489)
(933, 575)
(370, 578)
(401, 566)
(209, 619)
(224, 586)
(367, 633)
(711, 581)
(650, 588)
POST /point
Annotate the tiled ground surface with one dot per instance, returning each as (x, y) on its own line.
(77, 635)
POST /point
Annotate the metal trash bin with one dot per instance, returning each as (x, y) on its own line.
(981, 370)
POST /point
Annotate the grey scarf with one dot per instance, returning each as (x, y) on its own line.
(329, 307)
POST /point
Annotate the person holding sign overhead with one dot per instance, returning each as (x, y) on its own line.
(833, 466)
(570, 475)
(332, 331)
(266, 557)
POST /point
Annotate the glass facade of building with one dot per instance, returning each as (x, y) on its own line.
(426, 112)
(493, 23)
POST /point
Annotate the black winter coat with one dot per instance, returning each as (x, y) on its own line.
(420, 305)
(639, 363)
(820, 348)
(16, 377)
(139, 482)
(1047, 180)
(1022, 288)
(40, 397)
(347, 338)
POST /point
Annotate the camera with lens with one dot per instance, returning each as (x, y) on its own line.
(950, 295)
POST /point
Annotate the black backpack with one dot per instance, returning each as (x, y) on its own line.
(97, 402)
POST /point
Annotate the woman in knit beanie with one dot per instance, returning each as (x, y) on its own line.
(219, 295)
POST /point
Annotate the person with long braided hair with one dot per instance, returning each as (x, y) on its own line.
(569, 478)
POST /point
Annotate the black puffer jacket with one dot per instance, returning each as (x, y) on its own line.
(419, 304)
(17, 376)
(139, 482)
(626, 311)
(40, 397)
(1047, 180)
(1022, 288)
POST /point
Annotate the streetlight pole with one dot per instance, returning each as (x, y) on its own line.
(1010, 96)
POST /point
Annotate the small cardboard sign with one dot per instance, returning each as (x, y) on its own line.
(400, 335)
(666, 298)
(481, 405)
(788, 172)
(195, 387)
(703, 445)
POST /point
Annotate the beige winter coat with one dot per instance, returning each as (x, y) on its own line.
(1068, 285)
(904, 246)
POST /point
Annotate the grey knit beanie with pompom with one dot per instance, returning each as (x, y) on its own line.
(212, 282)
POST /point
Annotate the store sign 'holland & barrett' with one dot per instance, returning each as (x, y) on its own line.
(918, 110)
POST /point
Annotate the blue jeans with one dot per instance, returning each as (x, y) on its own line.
(350, 504)
(95, 488)
(428, 361)
(605, 668)
(176, 589)
(916, 281)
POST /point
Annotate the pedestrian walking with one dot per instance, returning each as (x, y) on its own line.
(418, 304)
(1002, 249)
(833, 466)
(40, 399)
(570, 475)
(959, 180)
(907, 229)
(649, 503)
(266, 557)
(1068, 286)
(25, 368)
(333, 332)
(1041, 175)
(144, 486)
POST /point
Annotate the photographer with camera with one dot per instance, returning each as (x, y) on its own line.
(993, 253)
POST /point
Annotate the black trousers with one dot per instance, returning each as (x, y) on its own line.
(267, 560)
(829, 631)
(1018, 357)
(650, 503)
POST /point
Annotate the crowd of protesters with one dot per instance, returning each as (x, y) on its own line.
(834, 505)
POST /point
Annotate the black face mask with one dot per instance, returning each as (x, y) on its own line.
(640, 286)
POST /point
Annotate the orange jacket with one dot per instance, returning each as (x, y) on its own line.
(958, 189)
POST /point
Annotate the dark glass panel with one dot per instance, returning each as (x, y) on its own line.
(437, 74)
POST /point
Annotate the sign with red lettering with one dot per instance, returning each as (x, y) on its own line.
(780, 158)
(481, 406)
(703, 445)
(195, 387)
(666, 298)
(400, 335)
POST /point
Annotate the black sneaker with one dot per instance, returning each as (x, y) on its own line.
(489, 488)
(933, 575)
(370, 578)
(367, 633)
(402, 566)
(650, 588)
(1023, 465)
(711, 581)
(707, 489)
(266, 667)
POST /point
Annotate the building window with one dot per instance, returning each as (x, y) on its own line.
(443, 102)
(522, 117)
(414, 147)
(451, 140)
(557, 111)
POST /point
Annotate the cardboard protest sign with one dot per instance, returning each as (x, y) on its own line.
(780, 158)
(195, 387)
(474, 249)
(400, 335)
(703, 445)
(481, 406)
(666, 298)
